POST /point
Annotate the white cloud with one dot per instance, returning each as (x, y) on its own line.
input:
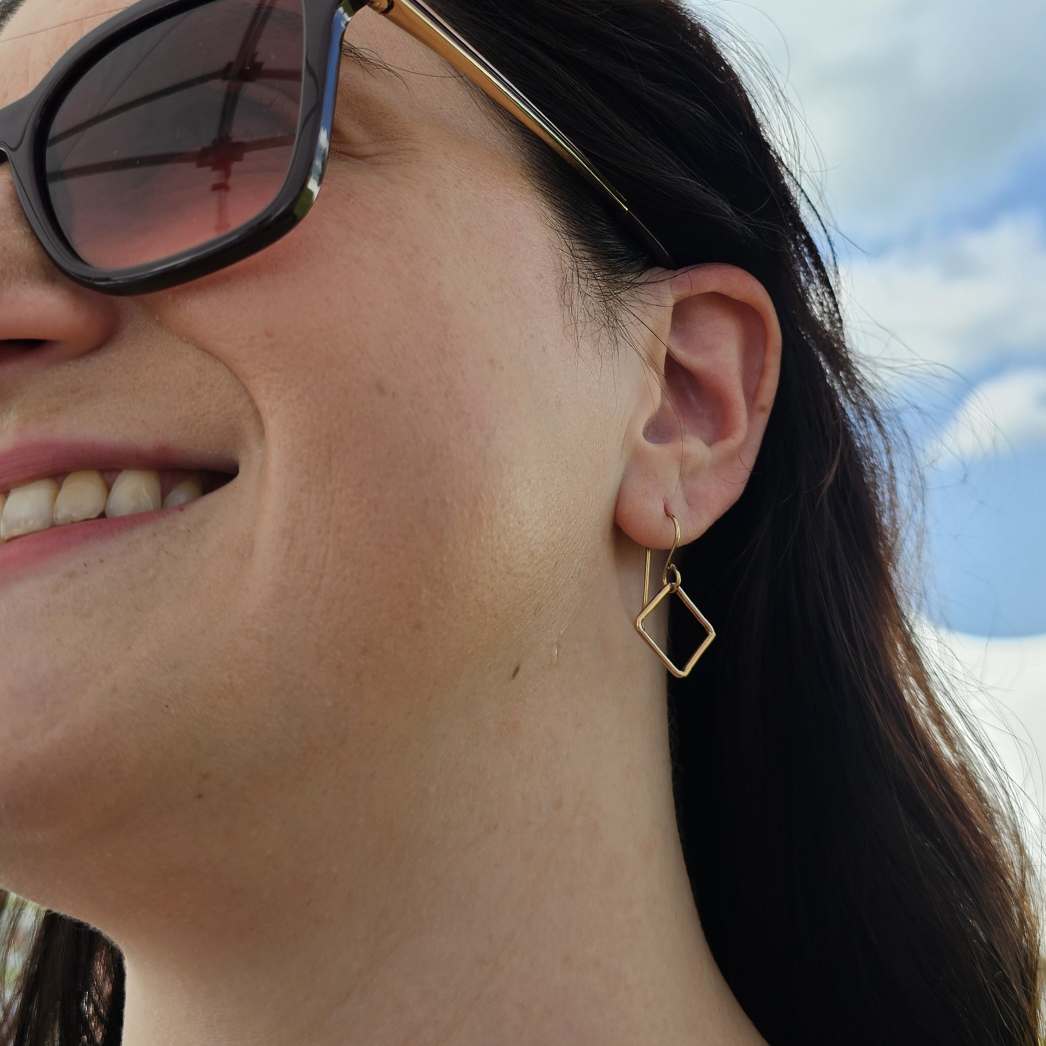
(964, 300)
(998, 417)
(915, 111)
(915, 106)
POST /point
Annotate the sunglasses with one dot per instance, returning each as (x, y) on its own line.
(181, 136)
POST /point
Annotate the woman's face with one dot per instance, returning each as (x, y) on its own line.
(424, 463)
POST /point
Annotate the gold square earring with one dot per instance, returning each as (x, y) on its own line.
(650, 605)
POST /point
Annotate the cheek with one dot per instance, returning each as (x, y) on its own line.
(416, 404)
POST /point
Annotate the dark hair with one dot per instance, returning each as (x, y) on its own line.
(857, 874)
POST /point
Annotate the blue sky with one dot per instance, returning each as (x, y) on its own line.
(919, 130)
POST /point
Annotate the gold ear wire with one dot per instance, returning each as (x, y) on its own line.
(650, 605)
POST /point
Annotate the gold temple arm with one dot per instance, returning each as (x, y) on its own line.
(418, 19)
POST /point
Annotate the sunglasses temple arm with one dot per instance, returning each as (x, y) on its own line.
(418, 19)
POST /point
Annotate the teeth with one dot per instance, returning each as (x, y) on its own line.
(186, 491)
(28, 508)
(82, 497)
(85, 495)
(135, 490)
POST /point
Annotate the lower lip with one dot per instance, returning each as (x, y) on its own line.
(29, 551)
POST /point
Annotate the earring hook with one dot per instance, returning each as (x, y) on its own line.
(678, 581)
(668, 562)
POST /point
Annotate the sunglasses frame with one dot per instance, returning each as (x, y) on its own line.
(24, 124)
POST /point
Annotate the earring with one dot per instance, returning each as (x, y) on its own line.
(650, 605)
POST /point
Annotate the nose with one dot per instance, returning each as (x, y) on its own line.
(45, 317)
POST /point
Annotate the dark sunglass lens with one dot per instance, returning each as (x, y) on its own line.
(180, 134)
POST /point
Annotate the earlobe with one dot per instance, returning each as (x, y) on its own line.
(716, 339)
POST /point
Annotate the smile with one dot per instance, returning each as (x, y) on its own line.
(87, 494)
(38, 519)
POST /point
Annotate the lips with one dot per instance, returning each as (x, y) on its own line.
(43, 458)
(30, 460)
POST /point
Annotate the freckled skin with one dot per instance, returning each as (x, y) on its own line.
(433, 485)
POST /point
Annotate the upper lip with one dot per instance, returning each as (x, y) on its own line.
(39, 458)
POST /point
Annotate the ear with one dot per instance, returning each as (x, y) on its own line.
(715, 340)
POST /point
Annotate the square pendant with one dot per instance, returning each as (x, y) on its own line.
(652, 606)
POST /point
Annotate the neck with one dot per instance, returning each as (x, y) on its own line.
(504, 866)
